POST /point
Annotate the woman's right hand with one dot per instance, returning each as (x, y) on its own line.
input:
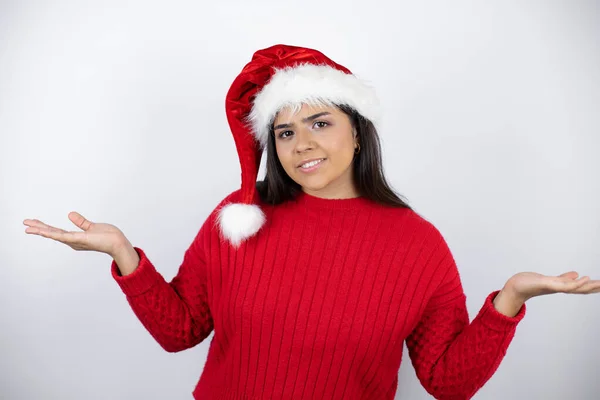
(104, 238)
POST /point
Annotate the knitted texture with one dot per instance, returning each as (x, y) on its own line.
(319, 304)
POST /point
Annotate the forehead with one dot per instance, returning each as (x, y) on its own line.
(292, 112)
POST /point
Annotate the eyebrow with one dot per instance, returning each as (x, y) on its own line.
(304, 120)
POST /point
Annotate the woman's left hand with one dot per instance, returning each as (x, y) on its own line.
(525, 285)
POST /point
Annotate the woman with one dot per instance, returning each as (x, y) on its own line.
(313, 279)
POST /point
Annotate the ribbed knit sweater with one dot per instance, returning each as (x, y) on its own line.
(319, 304)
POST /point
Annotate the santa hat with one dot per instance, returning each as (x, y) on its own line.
(277, 77)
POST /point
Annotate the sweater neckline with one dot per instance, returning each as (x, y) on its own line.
(351, 203)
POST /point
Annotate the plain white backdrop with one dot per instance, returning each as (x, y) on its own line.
(116, 110)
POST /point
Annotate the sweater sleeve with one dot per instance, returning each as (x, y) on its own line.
(453, 358)
(176, 313)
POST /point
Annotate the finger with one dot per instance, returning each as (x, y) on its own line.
(40, 226)
(567, 285)
(577, 283)
(31, 222)
(80, 220)
(589, 287)
(36, 223)
(60, 236)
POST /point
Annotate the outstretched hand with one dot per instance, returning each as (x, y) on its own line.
(525, 285)
(530, 284)
(94, 236)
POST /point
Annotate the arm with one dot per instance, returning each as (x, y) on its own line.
(176, 314)
(453, 358)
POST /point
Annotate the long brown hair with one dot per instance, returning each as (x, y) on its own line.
(369, 178)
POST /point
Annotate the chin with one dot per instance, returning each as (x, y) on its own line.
(314, 185)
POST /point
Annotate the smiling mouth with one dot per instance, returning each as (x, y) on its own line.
(311, 165)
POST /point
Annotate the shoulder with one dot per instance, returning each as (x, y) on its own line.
(431, 236)
(432, 255)
(232, 197)
(408, 218)
(418, 230)
(428, 229)
(440, 261)
(210, 225)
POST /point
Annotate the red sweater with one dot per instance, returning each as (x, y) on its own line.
(319, 304)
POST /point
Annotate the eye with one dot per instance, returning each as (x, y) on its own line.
(321, 124)
(283, 135)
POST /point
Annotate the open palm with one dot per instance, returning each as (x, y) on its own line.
(101, 237)
(531, 284)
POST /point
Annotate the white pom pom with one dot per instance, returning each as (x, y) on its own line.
(240, 221)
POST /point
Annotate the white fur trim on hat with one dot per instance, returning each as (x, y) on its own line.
(310, 84)
(240, 221)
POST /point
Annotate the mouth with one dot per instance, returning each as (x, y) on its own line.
(311, 165)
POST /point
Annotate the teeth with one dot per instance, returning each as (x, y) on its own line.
(311, 164)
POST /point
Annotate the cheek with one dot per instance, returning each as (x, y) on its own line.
(341, 151)
(285, 158)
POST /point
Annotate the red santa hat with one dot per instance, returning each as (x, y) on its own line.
(275, 78)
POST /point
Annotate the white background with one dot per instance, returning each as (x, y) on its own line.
(116, 110)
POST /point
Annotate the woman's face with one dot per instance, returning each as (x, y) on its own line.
(316, 148)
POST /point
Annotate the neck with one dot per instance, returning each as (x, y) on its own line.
(325, 194)
(355, 203)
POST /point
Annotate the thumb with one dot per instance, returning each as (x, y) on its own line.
(569, 275)
(80, 220)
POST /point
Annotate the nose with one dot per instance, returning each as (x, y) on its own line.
(304, 141)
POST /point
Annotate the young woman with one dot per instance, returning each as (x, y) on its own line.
(314, 278)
